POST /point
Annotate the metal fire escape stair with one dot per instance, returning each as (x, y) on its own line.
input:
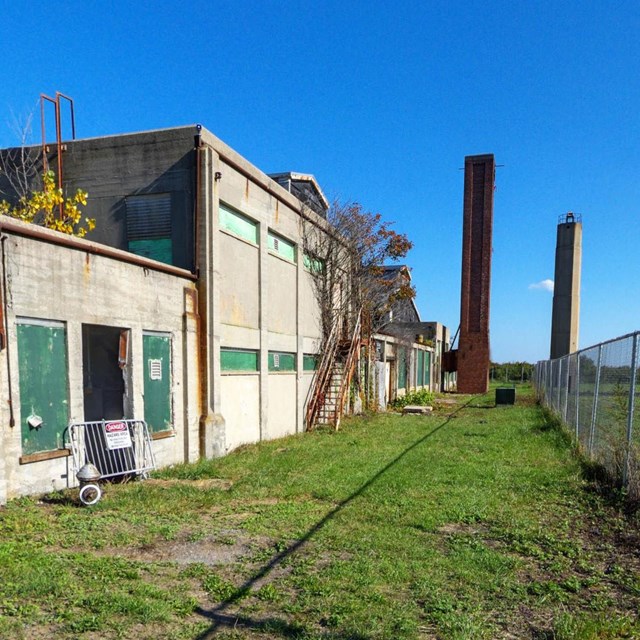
(333, 378)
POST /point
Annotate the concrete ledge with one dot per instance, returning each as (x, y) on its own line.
(413, 408)
(44, 455)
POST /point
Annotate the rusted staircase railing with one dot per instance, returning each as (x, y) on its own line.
(333, 379)
(323, 376)
(348, 369)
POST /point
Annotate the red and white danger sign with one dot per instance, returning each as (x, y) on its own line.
(117, 435)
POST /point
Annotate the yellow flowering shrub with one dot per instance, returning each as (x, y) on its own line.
(43, 208)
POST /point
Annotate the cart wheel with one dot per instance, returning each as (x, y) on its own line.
(90, 494)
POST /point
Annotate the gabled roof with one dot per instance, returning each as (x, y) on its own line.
(305, 187)
(392, 271)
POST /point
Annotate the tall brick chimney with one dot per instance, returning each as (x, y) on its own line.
(473, 350)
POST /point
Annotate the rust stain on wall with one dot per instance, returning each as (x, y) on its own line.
(86, 271)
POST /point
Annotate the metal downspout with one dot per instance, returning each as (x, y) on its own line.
(203, 368)
(4, 328)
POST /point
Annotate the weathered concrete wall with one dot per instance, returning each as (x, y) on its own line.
(282, 296)
(46, 281)
(274, 307)
(241, 408)
(387, 367)
(310, 320)
(239, 282)
(114, 167)
(282, 405)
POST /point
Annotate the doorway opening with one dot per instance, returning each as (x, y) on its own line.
(104, 360)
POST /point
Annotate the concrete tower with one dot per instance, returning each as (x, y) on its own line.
(473, 350)
(565, 320)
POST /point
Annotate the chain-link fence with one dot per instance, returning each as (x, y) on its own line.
(595, 391)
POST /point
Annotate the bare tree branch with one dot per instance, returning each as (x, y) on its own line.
(20, 166)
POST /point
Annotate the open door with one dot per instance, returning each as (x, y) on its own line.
(104, 356)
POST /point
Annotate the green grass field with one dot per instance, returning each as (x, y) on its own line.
(472, 522)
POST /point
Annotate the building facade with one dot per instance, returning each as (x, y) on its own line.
(192, 307)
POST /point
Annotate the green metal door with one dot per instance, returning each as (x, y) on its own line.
(156, 352)
(44, 387)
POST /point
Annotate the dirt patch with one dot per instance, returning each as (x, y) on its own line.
(225, 548)
(463, 528)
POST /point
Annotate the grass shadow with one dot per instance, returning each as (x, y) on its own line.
(221, 619)
(63, 498)
(268, 625)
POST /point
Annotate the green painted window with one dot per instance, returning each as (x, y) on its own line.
(149, 226)
(238, 360)
(156, 354)
(427, 368)
(310, 362)
(284, 248)
(402, 368)
(280, 361)
(315, 265)
(238, 224)
(420, 380)
(44, 386)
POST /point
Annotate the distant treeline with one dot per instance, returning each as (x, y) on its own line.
(511, 371)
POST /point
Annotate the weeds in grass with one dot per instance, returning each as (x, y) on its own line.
(421, 397)
(473, 525)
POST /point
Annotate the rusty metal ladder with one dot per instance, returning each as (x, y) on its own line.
(333, 378)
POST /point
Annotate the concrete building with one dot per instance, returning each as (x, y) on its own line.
(565, 321)
(80, 323)
(196, 266)
(473, 351)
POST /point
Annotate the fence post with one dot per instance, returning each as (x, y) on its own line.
(577, 396)
(566, 394)
(632, 396)
(559, 390)
(596, 390)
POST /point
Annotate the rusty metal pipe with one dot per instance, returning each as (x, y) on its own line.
(43, 98)
(202, 307)
(73, 117)
(59, 149)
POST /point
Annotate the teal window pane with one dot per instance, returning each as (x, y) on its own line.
(238, 360)
(310, 362)
(240, 225)
(315, 265)
(420, 380)
(282, 247)
(160, 249)
(279, 361)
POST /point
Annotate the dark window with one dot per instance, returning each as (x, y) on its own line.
(149, 226)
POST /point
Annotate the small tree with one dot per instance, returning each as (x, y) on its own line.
(346, 259)
(51, 209)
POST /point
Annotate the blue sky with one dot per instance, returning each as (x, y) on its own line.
(381, 101)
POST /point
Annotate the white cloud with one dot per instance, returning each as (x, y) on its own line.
(545, 285)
